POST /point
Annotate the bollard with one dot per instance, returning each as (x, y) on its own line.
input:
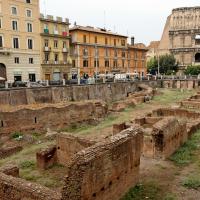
(6, 84)
(28, 84)
(64, 83)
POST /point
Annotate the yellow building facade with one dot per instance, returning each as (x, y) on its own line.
(101, 51)
(19, 40)
(55, 59)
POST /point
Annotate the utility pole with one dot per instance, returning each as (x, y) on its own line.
(96, 61)
(78, 64)
(158, 63)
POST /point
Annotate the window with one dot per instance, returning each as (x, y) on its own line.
(55, 44)
(30, 60)
(106, 41)
(16, 60)
(96, 52)
(14, 26)
(115, 63)
(123, 42)
(30, 44)
(46, 43)
(1, 41)
(114, 42)
(0, 22)
(85, 63)
(46, 57)
(28, 1)
(96, 63)
(96, 40)
(64, 44)
(106, 53)
(107, 64)
(73, 63)
(56, 57)
(115, 53)
(16, 43)
(14, 10)
(28, 13)
(29, 27)
(123, 63)
(84, 39)
(123, 54)
(85, 52)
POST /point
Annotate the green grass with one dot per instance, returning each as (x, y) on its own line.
(172, 96)
(187, 153)
(193, 182)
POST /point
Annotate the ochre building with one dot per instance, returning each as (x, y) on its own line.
(98, 51)
(19, 40)
(55, 60)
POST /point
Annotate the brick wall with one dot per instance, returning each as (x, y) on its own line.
(106, 170)
(51, 117)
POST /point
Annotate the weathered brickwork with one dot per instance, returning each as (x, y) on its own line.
(106, 170)
(58, 117)
(162, 136)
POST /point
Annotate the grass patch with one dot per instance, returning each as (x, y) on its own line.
(147, 191)
(172, 96)
(170, 196)
(17, 135)
(27, 164)
(187, 153)
(192, 182)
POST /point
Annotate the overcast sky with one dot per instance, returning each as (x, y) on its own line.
(143, 19)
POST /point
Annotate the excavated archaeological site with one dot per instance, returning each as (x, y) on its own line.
(115, 141)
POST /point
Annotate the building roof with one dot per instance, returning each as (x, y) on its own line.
(139, 46)
(154, 45)
(95, 30)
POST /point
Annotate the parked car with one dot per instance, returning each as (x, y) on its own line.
(55, 82)
(36, 84)
(19, 84)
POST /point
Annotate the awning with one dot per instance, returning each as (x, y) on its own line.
(197, 37)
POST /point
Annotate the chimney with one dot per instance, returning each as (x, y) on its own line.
(132, 40)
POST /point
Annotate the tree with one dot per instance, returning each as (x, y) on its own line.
(168, 65)
(193, 70)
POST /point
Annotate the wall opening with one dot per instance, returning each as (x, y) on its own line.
(3, 71)
(197, 57)
(2, 125)
(35, 120)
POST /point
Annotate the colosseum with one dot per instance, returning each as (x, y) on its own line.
(181, 36)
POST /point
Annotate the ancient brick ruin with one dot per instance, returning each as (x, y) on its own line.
(96, 170)
(162, 136)
(51, 116)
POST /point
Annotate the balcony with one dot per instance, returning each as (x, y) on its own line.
(46, 31)
(5, 51)
(65, 50)
(47, 49)
(53, 62)
(64, 34)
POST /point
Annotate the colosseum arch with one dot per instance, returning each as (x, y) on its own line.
(197, 57)
(3, 71)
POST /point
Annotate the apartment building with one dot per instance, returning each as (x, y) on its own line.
(19, 40)
(98, 51)
(55, 59)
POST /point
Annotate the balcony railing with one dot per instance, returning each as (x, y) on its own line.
(47, 48)
(52, 62)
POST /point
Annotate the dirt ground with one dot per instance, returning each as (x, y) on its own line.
(159, 180)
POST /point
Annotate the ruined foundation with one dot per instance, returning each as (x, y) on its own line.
(162, 136)
(105, 170)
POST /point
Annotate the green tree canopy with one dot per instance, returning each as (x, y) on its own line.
(193, 70)
(168, 65)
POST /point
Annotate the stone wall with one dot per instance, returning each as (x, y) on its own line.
(106, 92)
(51, 117)
(106, 170)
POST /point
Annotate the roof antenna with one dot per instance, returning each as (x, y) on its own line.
(45, 8)
(104, 19)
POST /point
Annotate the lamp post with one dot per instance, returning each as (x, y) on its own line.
(78, 64)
